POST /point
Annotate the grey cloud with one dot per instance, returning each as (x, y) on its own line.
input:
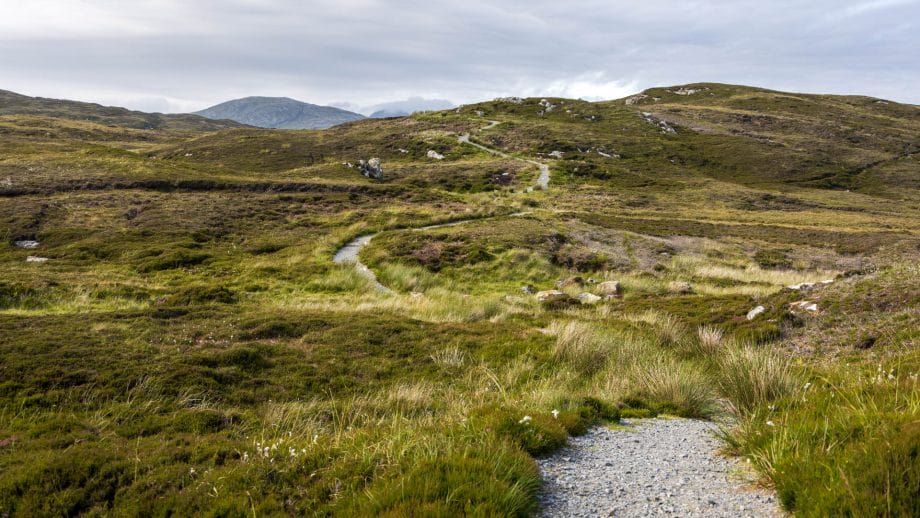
(180, 55)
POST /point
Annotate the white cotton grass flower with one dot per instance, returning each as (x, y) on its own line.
(555, 413)
(524, 420)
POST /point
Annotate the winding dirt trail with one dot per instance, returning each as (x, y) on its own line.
(348, 254)
(542, 179)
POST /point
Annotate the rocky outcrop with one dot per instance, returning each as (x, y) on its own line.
(662, 125)
(608, 288)
(371, 168)
(804, 305)
(571, 281)
(551, 296)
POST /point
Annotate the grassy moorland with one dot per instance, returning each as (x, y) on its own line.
(190, 348)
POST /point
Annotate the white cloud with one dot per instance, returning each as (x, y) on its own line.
(593, 86)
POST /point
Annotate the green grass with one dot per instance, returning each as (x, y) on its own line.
(189, 315)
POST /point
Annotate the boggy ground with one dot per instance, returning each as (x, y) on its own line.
(190, 347)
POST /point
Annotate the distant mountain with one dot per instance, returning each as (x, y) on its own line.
(383, 114)
(16, 104)
(279, 112)
(406, 107)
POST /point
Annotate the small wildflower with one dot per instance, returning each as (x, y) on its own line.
(807, 385)
(524, 420)
(191, 471)
(555, 414)
(770, 423)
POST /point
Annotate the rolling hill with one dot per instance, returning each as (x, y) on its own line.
(16, 104)
(177, 336)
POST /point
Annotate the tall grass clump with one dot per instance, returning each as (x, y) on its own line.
(672, 386)
(709, 339)
(750, 377)
(580, 345)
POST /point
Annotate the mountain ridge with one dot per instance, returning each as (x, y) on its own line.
(279, 113)
(12, 103)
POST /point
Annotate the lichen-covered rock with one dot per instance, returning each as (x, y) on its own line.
(609, 288)
(551, 296)
(804, 305)
(371, 168)
(571, 281)
(752, 314)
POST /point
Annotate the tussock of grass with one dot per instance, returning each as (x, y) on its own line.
(675, 387)
(579, 345)
(752, 377)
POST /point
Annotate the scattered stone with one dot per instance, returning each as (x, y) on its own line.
(609, 288)
(528, 289)
(371, 168)
(557, 154)
(662, 125)
(26, 243)
(680, 288)
(588, 298)
(801, 286)
(635, 99)
(687, 91)
(34, 259)
(434, 154)
(806, 305)
(404, 151)
(416, 294)
(547, 106)
(752, 314)
(550, 296)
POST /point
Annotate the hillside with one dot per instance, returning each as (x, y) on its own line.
(279, 113)
(15, 104)
(241, 322)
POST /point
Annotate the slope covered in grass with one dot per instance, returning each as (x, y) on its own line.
(189, 347)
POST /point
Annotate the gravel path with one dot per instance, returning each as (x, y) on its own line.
(661, 467)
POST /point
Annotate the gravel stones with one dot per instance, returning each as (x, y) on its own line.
(659, 467)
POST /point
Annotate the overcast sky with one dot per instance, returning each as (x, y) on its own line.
(183, 55)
